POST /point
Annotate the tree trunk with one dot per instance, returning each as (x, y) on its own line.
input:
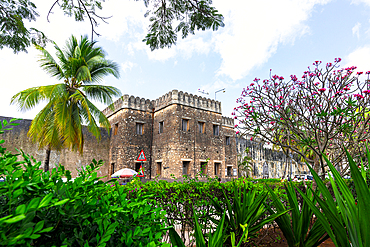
(47, 158)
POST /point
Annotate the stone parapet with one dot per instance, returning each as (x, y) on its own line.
(170, 98)
(181, 98)
(129, 102)
(228, 122)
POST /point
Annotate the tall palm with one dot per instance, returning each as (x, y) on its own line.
(81, 66)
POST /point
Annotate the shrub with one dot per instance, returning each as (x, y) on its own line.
(38, 209)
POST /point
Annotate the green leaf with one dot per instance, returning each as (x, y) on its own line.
(46, 229)
(17, 193)
(45, 201)
(33, 204)
(20, 209)
(38, 226)
(175, 238)
(15, 219)
(61, 202)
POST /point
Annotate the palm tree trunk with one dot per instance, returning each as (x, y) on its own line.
(47, 158)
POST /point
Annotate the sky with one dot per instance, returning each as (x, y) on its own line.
(285, 36)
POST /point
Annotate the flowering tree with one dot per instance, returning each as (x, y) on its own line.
(324, 112)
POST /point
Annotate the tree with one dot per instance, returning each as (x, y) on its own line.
(325, 112)
(13, 33)
(190, 15)
(59, 124)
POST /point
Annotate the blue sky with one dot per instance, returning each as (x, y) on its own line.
(285, 36)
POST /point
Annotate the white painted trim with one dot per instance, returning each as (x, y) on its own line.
(217, 161)
(202, 121)
(216, 123)
(203, 160)
(142, 122)
(140, 161)
(158, 161)
(186, 118)
(186, 160)
(230, 165)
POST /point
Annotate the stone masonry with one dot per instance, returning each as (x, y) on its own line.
(180, 134)
(268, 163)
(17, 138)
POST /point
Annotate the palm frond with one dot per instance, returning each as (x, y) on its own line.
(48, 64)
(100, 70)
(29, 98)
(101, 93)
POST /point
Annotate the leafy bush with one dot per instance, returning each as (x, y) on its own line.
(38, 209)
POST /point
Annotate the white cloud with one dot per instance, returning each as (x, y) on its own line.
(359, 58)
(254, 29)
(367, 2)
(356, 30)
(185, 48)
(202, 66)
(127, 66)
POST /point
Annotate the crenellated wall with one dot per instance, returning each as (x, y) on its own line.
(228, 122)
(129, 102)
(181, 98)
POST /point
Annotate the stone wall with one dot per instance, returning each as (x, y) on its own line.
(269, 163)
(17, 138)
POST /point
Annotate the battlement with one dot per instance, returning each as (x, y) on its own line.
(228, 122)
(129, 102)
(181, 98)
(172, 97)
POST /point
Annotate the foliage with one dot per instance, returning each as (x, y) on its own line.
(246, 211)
(14, 34)
(215, 239)
(179, 198)
(81, 66)
(348, 216)
(39, 209)
(333, 112)
(190, 15)
(296, 225)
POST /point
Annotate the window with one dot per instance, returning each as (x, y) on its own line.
(217, 167)
(227, 140)
(160, 127)
(139, 128)
(201, 127)
(229, 171)
(203, 168)
(216, 130)
(137, 166)
(112, 169)
(116, 129)
(159, 168)
(185, 125)
(185, 167)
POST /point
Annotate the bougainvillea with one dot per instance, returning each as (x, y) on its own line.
(322, 112)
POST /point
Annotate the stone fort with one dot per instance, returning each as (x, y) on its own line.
(180, 134)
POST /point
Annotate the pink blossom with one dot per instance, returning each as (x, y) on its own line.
(237, 132)
(337, 60)
(322, 90)
(360, 73)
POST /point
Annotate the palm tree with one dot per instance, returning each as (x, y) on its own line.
(58, 125)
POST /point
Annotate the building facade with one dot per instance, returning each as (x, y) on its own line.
(180, 134)
(268, 163)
